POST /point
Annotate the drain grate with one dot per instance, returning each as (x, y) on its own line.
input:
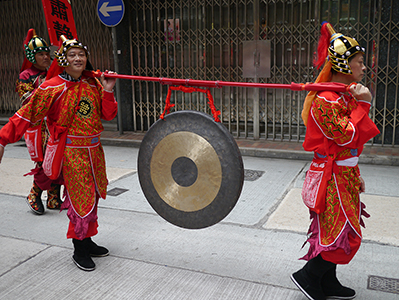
(252, 175)
(116, 192)
(383, 284)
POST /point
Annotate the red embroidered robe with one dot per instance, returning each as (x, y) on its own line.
(28, 81)
(338, 126)
(84, 166)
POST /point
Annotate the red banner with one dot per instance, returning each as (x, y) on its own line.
(59, 20)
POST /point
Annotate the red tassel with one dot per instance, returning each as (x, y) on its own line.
(29, 36)
(185, 89)
(27, 64)
(324, 43)
(215, 112)
(168, 106)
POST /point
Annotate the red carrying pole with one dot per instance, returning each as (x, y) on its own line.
(331, 86)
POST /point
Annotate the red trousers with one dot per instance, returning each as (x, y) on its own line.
(339, 256)
(92, 231)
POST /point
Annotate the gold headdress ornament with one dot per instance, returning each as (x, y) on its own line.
(334, 50)
(341, 49)
(35, 45)
(65, 46)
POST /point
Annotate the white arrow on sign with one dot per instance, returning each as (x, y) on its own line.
(105, 9)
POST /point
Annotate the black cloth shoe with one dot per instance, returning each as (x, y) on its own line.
(34, 199)
(308, 279)
(81, 256)
(333, 289)
(95, 250)
(308, 285)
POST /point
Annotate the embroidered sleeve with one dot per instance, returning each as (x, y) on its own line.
(27, 83)
(24, 90)
(346, 124)
(109, 106)
(42, 99)
(333, 119)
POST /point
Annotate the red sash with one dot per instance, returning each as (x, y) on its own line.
(33, 140)
(54, 156)
(315, 185)
(52, 164)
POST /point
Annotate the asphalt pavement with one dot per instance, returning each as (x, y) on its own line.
(248, 255)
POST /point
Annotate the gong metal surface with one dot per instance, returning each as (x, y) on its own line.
(190, 169)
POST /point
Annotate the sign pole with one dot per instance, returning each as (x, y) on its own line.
(256, 126)
(110, 13)
(117, 85)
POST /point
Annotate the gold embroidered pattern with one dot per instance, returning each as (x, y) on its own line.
(342, 204)
(85, 110)
(334, 118)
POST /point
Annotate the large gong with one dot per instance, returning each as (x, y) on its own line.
(190, 169)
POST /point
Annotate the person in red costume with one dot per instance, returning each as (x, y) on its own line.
(33, 73)
(338, 126)
(74, 102)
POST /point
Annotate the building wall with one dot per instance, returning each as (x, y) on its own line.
(204, 40)
(18, 16)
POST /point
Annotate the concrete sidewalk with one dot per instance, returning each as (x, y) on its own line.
(249, 255)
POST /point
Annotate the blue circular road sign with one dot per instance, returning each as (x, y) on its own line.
(110, 12)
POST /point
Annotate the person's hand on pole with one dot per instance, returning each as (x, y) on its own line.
(107, 82)
(360, 92)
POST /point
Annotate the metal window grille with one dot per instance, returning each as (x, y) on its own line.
(204, 40)
(207, 44)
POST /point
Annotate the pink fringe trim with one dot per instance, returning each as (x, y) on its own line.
(81, 224)
(342, 242)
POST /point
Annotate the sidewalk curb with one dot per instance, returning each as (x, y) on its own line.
(276, 153)
(120, 142)
(271, 153)
(379, 160)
